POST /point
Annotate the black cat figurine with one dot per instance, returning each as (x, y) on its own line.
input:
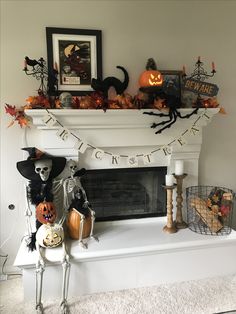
(110, 81)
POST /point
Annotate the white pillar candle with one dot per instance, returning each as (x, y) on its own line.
(179, 167)
(169, 180)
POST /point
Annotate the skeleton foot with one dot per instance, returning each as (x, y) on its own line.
(39, 308)
(83, 245)
(64, 307)
(95, 238)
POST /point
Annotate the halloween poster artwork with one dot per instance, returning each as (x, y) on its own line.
(74, 62)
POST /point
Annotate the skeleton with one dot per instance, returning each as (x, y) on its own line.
(72, 190)
(49, 236)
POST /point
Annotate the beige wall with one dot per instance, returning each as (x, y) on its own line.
(172, 32)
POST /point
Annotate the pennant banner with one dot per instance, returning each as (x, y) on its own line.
(115, 159)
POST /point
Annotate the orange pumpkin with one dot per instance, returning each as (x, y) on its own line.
(151, 77)
(73, 225)
(46, 212)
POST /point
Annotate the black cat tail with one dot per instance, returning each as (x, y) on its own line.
(125, 83)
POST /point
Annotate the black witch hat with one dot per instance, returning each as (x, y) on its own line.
(27, 168)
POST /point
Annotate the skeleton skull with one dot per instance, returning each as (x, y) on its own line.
(73, 167)
(65, 99)
(43, 168)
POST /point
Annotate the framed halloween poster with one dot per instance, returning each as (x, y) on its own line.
(76, 54)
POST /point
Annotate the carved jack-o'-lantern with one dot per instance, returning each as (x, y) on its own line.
(150, 77)
(50, 235)
(46, 212)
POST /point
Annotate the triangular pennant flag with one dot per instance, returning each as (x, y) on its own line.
(63, 133)
(115, 160)
(206, 116)
(98, 154)
(148, 159)
(81, 146)
(194, 130)
(49, 120)
(181, 141)
(132, 161)
(166, 150)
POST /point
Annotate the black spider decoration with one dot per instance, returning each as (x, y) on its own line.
(173, 114)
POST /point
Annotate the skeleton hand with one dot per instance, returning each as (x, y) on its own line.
(40, 263)
(86, 204)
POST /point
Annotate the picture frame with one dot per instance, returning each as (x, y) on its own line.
(76, 54)
(172, 80)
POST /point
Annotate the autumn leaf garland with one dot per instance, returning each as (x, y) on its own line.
(18, 114)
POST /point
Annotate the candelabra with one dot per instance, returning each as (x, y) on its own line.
(179, 222)
(199, 74)
(170, 226)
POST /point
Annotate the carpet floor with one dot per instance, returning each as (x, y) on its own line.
(207, 296)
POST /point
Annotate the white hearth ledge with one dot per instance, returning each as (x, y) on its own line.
(141, 246)
(129, 238)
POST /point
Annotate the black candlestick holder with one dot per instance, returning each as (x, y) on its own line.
(199, 74)
(38, 69)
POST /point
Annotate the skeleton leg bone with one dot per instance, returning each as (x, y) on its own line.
(65, 280)
(40, 267)
(92, 224)
(81, 243)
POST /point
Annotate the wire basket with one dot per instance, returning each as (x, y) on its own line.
(210, 209)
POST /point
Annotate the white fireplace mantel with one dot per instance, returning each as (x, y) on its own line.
(111, 119)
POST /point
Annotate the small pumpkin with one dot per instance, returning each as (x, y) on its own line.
(73, 224)
(151, 77)
(46, 212)
(50, 235)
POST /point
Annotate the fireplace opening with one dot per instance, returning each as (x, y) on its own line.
(126, 193)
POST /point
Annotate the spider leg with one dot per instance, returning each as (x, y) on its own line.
(156, 114)
(170, 115)
(187, 115)
(172, 121)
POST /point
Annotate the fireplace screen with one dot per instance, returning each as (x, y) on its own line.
(126, 193)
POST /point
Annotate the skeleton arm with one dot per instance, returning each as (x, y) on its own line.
(28, 211)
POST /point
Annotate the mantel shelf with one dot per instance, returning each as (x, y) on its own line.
(111, 119)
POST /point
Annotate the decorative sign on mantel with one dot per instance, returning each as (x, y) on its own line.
(202, 88)
(81, 144)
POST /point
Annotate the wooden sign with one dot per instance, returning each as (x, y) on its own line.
(202, 88)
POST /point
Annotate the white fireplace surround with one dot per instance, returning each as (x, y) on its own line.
(137, 252)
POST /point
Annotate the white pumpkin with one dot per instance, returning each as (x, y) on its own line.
(50, 235)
